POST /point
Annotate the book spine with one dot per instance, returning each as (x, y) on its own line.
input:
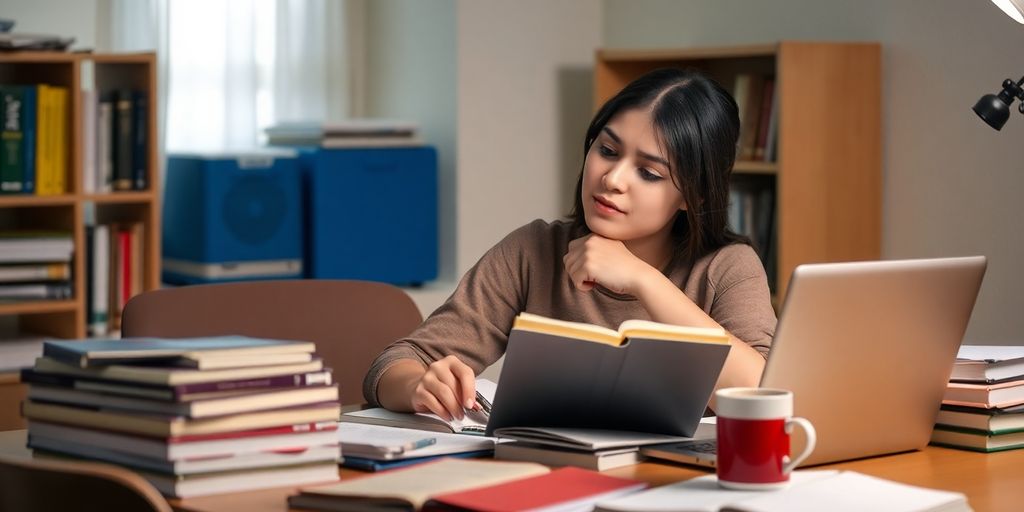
(13, 139)
(125, 247)
(123, 141)
(29, 123)
(89, 124)
(104, 149)
(307, 379)
(44, 140)
(140, 110)
(100, 290)
(60, 134)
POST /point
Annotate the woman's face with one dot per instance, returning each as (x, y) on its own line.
(628, 193)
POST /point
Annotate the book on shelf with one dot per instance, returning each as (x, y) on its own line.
(643, 377)
(409, 488)
(988, 363)
(28, 272)
(597, 460)
(13, 144)
(167, 376)
(749, 89)
(90, 104)
(987, 396)
(201, 408)
(35, 247)
(561, 489)
(382, 443)
(51, 140)
(976, 440)
(196, 447)
(35, 291)
(189, 352)
(764, 120)
(836, 491)
(474, 422)
(993, 421)
(172, 426)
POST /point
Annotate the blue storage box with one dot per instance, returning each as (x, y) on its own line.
(372, 214)
(232, 216)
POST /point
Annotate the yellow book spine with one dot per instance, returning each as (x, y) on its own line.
(42, 140)
(60, 139)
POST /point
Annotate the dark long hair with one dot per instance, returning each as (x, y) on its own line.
(698, 124)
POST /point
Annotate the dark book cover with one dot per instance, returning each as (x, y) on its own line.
(121, 140)
(140, 135)
(28, 124)
(12, 136)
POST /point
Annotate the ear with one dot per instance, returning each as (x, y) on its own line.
(682, 205)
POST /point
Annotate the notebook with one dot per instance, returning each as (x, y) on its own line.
(474, 422)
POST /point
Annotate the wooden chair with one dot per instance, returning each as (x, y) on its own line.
(350, 321)
(50, 484)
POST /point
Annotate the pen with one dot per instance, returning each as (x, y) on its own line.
(416, 445)
(484, 404)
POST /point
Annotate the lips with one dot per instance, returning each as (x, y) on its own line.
(608, 205)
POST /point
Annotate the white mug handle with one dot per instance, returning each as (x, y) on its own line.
(811, 439)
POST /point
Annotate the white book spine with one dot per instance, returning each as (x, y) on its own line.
(89, 133)
(104, 162)
(98, 317)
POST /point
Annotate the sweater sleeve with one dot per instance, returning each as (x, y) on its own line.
(742, 303)
(473, 324)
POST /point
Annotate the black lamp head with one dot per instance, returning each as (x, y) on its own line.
(994, 109)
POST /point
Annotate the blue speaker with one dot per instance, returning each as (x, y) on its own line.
(372, 214)
(230, 217)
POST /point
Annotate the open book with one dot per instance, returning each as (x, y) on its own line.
(644, 377)
(835, 491)
(474, 422)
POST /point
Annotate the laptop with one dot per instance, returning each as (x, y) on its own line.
(867, 349)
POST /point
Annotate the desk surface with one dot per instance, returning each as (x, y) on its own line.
(992, 481)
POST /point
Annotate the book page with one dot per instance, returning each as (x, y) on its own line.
(658, 331)
(578, 330)
(702, 494)
(386, 443)
(418, 483)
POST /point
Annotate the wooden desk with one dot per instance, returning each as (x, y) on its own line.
(992, 482)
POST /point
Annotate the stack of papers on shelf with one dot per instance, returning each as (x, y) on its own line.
(193, 416)
(983, 407)
(351, 133)
(835, 491)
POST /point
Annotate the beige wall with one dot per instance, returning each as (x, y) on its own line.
(524, 88)
(951, 183)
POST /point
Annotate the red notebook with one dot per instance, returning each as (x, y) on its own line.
(560, 487)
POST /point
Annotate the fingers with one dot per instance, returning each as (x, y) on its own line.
(447, 388)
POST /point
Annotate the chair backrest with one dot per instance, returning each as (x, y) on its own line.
(350, 321)
(45, 484)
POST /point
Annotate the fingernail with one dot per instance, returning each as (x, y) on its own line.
(470, 403)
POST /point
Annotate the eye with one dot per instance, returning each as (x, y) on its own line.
(606, 151)
(648, 175)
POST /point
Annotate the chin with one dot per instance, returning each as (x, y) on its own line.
(602, 228)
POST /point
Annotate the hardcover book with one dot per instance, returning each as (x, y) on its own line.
(644, 377)
(85, 353)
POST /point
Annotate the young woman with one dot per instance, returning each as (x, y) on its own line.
(647, 238)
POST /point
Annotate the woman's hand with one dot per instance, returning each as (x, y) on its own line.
(594, 259)
(446, 389)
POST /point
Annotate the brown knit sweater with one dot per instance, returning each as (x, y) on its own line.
(524, 272)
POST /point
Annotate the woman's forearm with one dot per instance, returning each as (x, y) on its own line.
(666, 303)
(394, 391)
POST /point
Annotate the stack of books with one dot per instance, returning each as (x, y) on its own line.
(353, 133)
(983, 408)
(35, 265)
(192, 416)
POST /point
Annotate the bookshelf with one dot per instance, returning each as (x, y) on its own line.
(826, 174)
(70, 210)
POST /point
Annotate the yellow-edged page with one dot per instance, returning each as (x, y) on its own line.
(647, 329)
(577, 330)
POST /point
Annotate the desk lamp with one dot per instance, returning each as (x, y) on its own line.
(994, 109)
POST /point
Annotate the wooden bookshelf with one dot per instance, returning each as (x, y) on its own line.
(826, 178)
(67, 212)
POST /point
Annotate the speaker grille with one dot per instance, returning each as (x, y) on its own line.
(254, 209)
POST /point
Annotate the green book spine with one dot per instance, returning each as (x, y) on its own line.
(12, 138)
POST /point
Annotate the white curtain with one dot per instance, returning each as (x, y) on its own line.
(230, 68)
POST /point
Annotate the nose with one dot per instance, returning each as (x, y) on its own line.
(614, 179)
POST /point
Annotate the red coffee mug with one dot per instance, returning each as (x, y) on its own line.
(753, 438)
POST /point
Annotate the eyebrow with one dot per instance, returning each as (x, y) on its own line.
(648, 156)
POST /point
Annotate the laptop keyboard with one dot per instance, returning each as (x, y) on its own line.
(700, 446)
